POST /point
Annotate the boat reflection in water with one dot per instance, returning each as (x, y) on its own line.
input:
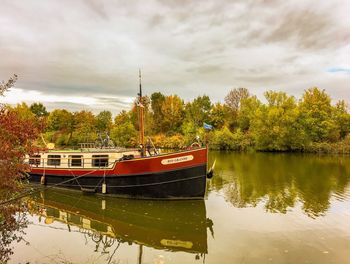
(168, 225)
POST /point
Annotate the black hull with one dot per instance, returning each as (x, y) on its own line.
(186, 183)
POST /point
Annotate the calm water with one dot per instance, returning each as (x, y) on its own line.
(259, 208)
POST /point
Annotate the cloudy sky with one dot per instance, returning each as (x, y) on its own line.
(85, 54)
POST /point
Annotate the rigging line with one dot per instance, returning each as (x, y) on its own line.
(74, 176)
(114, 252)
(39, 188)
(98, 184)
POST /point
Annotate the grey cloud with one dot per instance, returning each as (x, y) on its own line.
(66, 105)
(98, 7)
(117, 101)
(310, 29)
(307, 27)
(115, 108)
(94, 48)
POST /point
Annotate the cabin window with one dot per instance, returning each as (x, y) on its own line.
(54, 160)
(75, 160)
(99, 160)
(34, 160)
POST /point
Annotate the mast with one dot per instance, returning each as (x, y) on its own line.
(139, 260)
(141, 119)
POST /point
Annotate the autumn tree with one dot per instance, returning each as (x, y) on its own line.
(157, 100)
(233, 101)
(173, 112)
(17, 134)
(134, 113)
(60, 126)
(18, 130)
(234, 97)
(6, 85)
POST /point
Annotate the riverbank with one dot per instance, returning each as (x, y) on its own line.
(239, 142)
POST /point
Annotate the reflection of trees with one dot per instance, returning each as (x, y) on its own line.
(12, 223)
(279, 180)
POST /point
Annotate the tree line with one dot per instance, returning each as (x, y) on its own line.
(242, 122)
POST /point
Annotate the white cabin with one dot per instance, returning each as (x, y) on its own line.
(87, 159)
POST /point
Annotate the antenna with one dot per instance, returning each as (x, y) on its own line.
(140, 93)
(141, 119)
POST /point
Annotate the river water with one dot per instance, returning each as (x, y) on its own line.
(259, 208)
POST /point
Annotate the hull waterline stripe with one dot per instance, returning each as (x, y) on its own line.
(141, 185)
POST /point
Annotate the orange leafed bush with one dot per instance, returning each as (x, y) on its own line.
(16, 137)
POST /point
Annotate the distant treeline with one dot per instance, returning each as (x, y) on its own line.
(243, 122)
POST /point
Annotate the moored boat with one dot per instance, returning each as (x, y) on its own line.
(137, 173)
(178, 175)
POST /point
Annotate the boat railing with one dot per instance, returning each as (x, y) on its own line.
(90, 145)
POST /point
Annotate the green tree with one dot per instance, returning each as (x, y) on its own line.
(190, 131)
(39, 110)
(123, 132)
(316, 111)
(342, 118)
(84, 127)
(218, 115)
(247, 111)
(104, 121)
(198, 111)
(60, 120)
(276, 126)
(122, 117)
(223, 139)
(124, 135)
(60, 127)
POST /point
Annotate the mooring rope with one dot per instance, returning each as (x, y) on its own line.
(29, 192)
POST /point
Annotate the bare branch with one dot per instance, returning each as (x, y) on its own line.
(5, 86)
